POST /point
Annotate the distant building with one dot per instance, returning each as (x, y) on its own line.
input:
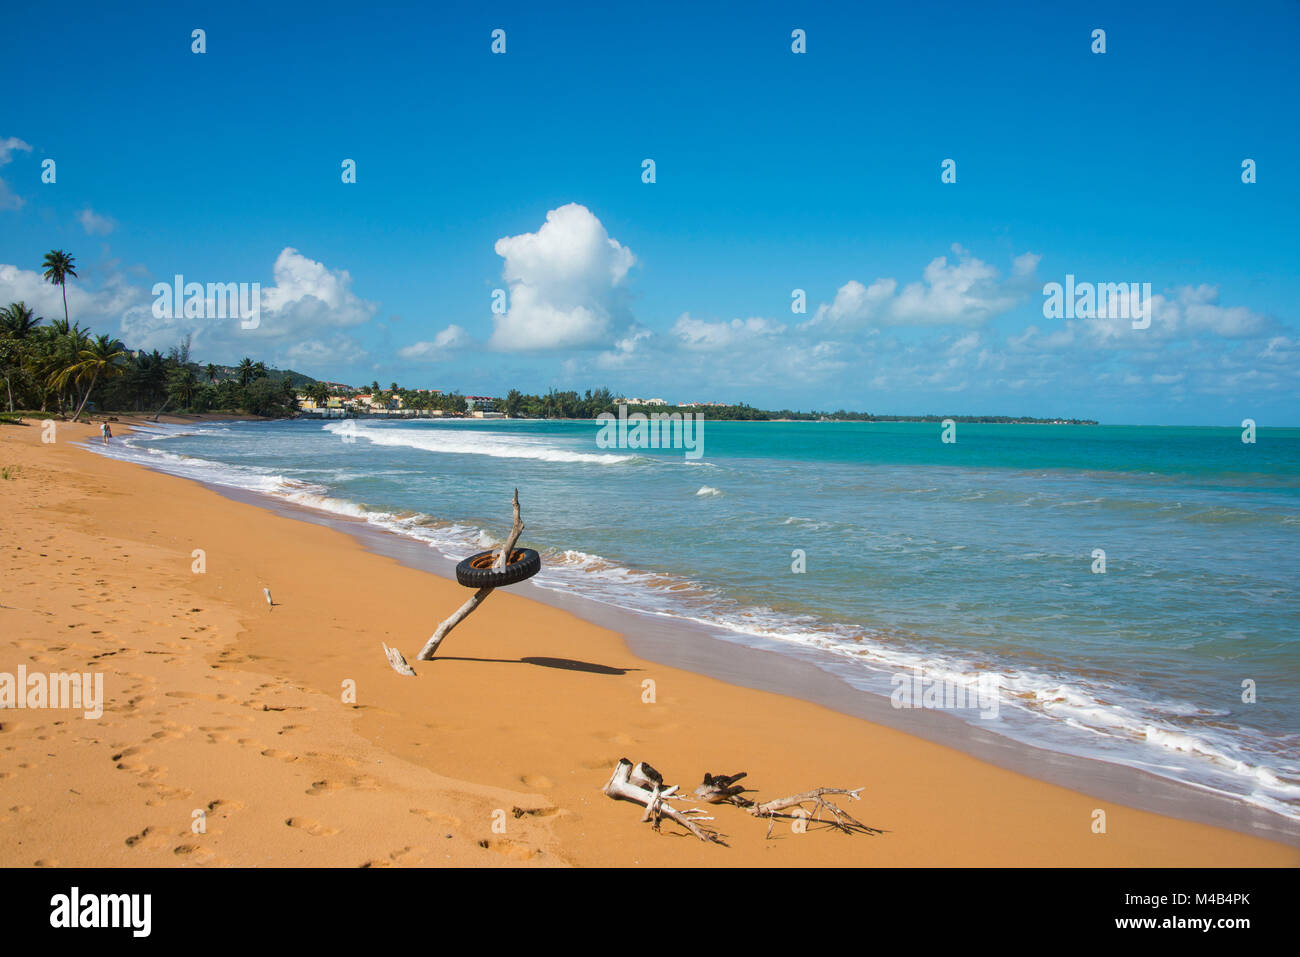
(480, 403)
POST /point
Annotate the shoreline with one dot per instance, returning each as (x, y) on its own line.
(793, 672)
(494, 722)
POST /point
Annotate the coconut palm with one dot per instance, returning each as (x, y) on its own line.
(18, 320)
(58, 267)
(59, 347)
(101, 358)
(245, 371)
(183, 386)
(211, 373)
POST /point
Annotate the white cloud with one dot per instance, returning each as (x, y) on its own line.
(565, 284)
(445, 342)
(94, 223)
(302, 314)
(699, 334)
(625, 350)
(307, 295)
(85, 305)
(965, 292)
(8, 145)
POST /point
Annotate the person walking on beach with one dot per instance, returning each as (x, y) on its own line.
(106, 432)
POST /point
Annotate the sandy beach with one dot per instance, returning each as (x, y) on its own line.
(230, 735)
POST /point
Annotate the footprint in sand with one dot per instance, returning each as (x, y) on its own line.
(406, 856)
(193, 853)
(537, 781)
(314, 828)
(286, 756)
(148, 838)
(508, 848)
(433, 817)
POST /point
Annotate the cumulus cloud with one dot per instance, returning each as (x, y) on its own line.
(307, 295)
(302, 315)
(966, 291)
(95, 224)
(699, 334)
(447, 341)
(85, 305)
(565, 284)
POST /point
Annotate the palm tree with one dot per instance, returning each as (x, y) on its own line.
(183, 385)
(259, 370)
(245, 371)
(211, 373)
(102, 357)
(58, 267)
(18, 320)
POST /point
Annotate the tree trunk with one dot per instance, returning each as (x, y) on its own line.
(86, 397)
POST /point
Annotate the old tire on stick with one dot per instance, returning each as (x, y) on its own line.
(477, 571)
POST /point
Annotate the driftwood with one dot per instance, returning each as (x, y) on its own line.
(398, 662)
(839, 819)
(430, 648)
(644, 785)
(722, 789)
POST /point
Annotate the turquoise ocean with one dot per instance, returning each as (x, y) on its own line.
(968, 558)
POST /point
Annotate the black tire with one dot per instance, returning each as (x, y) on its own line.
(477, 572)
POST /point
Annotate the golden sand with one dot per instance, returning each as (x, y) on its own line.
(229, 738)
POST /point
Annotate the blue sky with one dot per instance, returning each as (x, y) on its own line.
(775, 171)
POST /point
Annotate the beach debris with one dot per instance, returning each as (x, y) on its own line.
(510, 565)
(839, 818)
(398, 662)
(644, 785)
(722, 789)
(267, 593)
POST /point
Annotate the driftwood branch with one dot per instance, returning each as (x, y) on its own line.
(643, 785)
(839, 818)
(398, 662)
(460, 614)
(515, 531)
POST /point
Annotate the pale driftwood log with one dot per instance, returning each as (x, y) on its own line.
(515, 531)
(645, 785)
(841, 819)
(398, 662)
(460, 614)
(652, 794)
